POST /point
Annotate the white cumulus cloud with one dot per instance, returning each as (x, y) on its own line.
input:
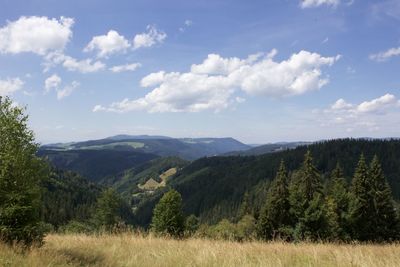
(385, 55)
(72, 64)
(35, 34)
(317, 3)
(52, 82)
(378, 104)
(108, 44)
(126, 67)
(10, 85)
(212, 84)
(367, 115)
(147, 39)
(67, 90)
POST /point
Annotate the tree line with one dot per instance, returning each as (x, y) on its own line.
(298, 208)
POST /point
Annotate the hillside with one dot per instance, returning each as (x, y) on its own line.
(158, 171)
(213, 188)
(267, 148)
(186, 148)
(95, 164)
(68, 196)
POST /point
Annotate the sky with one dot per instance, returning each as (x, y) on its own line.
(258, 71)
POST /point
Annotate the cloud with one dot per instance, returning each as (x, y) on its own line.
(52, 82)
(126, 67)
(211, 84)
(72, 64)
(386, 55)
(386, 8)
(365, 115)
(67, 90)
(378, 104)
(35, 34)
(151, 37)
(187, 23)
(106, 45)
(10, 85)
(317, 3)
(341, 104)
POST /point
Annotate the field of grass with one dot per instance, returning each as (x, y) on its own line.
(135, 250)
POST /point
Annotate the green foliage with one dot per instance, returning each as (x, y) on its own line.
(307, 202)
(111, 211)
(21, 173)
(245, 207)
(168, 217)
(385, 222)
(191, 225)
(244, 230)
(213, 187)
(337, 201)
(96, 165)
(275, 218)
(68, 196)
(362, 204)
(372, 213)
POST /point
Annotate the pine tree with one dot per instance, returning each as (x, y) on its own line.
(244, 208)
(21, 175)
(362, 203)
(108, 210)
(385, 221)
(275, 218)
(168, 217)
(307, 202)
(338, 205)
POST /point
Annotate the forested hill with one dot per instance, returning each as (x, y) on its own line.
(213, 188)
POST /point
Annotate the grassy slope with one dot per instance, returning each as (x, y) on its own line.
(133, 250)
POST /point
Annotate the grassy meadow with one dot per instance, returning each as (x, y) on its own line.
(137, 250)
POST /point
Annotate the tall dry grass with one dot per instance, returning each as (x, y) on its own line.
(137, 250)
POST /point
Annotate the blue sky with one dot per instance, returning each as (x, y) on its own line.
(259, 71)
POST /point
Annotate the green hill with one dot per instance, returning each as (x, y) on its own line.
(213, 188)
(96, 164)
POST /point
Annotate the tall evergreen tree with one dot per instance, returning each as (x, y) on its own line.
(307, 202)
(385, 221)
(362, 204)
(21, 175)
(274, 219)
(108, 210)
(244, 208)
(168, 217)
(338, 205)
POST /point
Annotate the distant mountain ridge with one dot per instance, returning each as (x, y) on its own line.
(267, 148)
(186, 148)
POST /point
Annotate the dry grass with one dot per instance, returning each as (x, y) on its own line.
(135, 250)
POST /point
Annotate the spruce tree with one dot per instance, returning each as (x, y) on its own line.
(274, 219)
(385, 221)
(338, 205)
(108, 210)
(307, 202)
(21, 176)
(244, 208)
(362, 210)
(168, 217)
